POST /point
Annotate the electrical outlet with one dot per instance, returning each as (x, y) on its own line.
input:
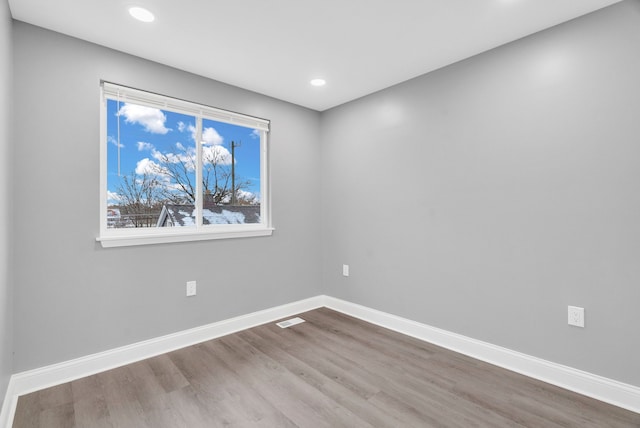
(576, 316)
(191, 288)
(345, 270)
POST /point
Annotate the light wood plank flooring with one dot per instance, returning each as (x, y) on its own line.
(331, 371)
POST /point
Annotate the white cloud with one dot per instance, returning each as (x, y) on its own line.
(115, 142)
(152, 119)
(181, 126)
(255, 134)
(147, 166)
(216, 154)
(112, 196)
(211, 137)
(145, 146)
(186, 157)
(192, 129)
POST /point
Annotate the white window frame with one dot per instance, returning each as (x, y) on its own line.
(116, 237)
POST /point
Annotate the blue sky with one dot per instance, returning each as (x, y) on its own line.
(146, 133)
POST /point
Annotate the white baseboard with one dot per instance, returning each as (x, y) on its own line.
(594, 386)
(56, 374)
(603, 389)
(8, 406)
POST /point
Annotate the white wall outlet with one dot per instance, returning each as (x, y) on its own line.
(345, 270)
(191, 288)
(576, 316)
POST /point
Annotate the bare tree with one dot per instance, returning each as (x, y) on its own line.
(216, 176)
(172, 180)
(177, 169)
(140, 199)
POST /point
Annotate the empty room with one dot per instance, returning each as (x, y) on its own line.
(345, 214)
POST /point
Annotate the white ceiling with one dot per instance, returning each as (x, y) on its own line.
(275, 47)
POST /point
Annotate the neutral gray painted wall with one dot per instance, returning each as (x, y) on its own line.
(6, 307)
(482, 198)
(487, 196)
(74, 298)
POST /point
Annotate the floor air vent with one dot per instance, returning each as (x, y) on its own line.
(289, 323)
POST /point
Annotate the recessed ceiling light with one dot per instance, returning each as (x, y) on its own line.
(318, 82)
(141, 14)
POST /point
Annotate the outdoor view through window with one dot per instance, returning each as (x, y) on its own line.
(155, 169)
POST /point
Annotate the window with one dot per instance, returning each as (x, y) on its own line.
(172, 170)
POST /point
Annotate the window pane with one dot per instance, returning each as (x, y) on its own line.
(230, 174)
(151, 161)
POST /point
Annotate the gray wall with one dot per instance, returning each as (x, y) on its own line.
(485, 197)
(6, 309)
(482, 198)
(75, 298)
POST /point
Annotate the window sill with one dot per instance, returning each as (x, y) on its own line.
(109, 241)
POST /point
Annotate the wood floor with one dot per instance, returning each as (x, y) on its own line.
(331, 371)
